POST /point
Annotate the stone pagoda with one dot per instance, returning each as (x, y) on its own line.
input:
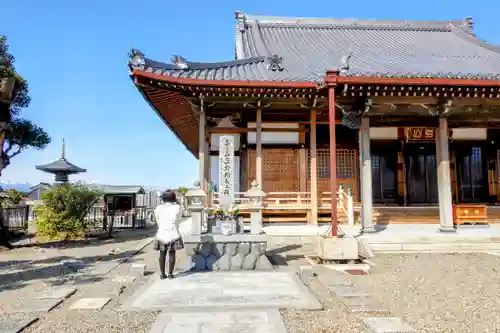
(61, 168)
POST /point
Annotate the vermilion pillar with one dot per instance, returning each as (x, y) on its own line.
(333, 158)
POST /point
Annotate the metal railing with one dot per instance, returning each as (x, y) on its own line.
(132, 219)
(15, 218)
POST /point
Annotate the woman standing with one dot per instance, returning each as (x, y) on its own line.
(168, 239)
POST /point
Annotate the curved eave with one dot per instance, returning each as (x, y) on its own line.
(174, 109)
(224, 83)
(330, 77)
(53, 171)
(413, 81)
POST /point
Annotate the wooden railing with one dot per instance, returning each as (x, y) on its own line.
(279, 200)
(297, 203)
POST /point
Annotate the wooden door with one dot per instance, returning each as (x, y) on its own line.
(384, 180)
(472, 174)
(421, 173)
(347, 170)
(280, 170)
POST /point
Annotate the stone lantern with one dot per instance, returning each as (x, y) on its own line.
(196, 204)
(256, 195)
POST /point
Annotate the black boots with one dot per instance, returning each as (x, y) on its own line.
(171, 264)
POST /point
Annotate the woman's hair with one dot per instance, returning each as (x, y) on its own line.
(169, 196)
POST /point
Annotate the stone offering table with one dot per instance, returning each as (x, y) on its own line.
(236, 251)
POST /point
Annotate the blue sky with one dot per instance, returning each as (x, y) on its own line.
(74, 55)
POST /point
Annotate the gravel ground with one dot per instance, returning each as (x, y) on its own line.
(108, 320)
(431, 292)
(333, 318)
(438, 292)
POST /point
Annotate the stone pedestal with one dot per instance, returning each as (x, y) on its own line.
(215, 226)
(215, 252)
(335, 248)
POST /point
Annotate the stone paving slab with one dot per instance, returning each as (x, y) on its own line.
(104, 290)
(223, 290)
(387, 325)
(38, 305)
(90, 303)
(15, 325)
(330, 278)
(348, 291)
(57, 293)
(220, 322)
(123, 279)
(363, 304)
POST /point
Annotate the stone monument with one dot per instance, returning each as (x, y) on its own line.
(225, 245)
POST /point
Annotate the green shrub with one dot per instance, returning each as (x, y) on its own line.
(62, 214)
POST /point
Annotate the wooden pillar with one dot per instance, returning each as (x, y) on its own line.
(258, 142)
(207, 177)
(333, 158)
(201, 144)
(444, 181)
(314, 170)
(366, 176)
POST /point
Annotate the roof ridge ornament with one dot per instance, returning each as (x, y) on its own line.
(344, 64)
(275, 63)
(241, 18)
(63, 150)
(179, 61)
(469, 23)
(136, 59)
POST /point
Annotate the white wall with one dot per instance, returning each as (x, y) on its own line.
(469, 133)
(275, 137)
(383, 133)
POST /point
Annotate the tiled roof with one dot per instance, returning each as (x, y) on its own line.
(299, 49)
(122, 189)
(61, 165)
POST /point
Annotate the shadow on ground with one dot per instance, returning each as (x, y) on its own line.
(278, 256)
(95, 239)
(60, 269)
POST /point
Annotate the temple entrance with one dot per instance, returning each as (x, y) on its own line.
(421, 173)
(472, 174)
(384, 165)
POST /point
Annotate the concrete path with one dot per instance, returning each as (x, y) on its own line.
(227, 302)
(254, 321)
(220, 291)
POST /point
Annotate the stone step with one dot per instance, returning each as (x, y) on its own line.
(363, 304)
(387, 325)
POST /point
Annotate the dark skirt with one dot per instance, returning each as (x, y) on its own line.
(174, 245)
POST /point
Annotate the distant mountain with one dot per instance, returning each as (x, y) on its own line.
(17, 186)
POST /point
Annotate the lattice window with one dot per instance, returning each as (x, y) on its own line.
(347, 166)
(280, 171)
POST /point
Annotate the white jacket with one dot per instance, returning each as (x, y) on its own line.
(168, 216)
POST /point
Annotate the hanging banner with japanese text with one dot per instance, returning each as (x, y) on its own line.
(226, 164)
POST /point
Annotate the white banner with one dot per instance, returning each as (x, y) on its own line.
(226, 171)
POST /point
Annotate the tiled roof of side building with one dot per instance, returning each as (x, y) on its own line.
(270, 48)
